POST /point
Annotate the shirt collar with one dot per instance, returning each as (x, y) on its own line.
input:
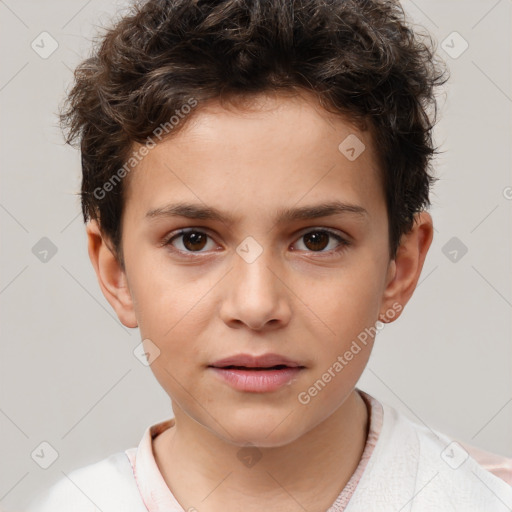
(157, 496)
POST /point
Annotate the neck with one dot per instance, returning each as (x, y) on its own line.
(204, 471)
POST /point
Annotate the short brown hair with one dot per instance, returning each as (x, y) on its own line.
(359, 57)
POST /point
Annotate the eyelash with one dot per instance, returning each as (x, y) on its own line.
(189, 254)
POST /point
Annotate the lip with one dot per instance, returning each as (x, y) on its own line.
(250, 361)
(257, 381)
(256, 374)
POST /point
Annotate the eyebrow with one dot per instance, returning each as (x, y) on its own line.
(201, 212)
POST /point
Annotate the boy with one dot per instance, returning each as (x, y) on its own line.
(221, 143)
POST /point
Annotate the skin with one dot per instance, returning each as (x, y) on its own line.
(301, 300)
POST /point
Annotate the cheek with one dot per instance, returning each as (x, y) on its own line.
(165, 298)
(173, 319)
(346, 302)
(178, 367)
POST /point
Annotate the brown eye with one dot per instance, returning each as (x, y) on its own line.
(318, 240)
(191, 241)
(194, 241)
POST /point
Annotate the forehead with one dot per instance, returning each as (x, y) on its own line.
(275, 150)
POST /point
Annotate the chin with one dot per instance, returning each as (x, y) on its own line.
(264, 431)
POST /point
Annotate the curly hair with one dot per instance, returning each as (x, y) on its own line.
(360, 58)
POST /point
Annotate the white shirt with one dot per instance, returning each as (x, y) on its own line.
(405, 467)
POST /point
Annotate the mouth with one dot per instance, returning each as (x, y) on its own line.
(256, 368)
(257, 374)
(252, 362)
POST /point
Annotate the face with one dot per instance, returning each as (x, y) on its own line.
(257, 279)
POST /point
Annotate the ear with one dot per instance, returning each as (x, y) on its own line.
(111, 276)
(405, 270)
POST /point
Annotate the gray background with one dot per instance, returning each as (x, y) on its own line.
(68, 374)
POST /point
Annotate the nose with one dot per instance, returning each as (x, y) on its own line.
(256, 294)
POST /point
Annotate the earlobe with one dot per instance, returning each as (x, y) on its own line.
(405, 270)
(111, 277)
